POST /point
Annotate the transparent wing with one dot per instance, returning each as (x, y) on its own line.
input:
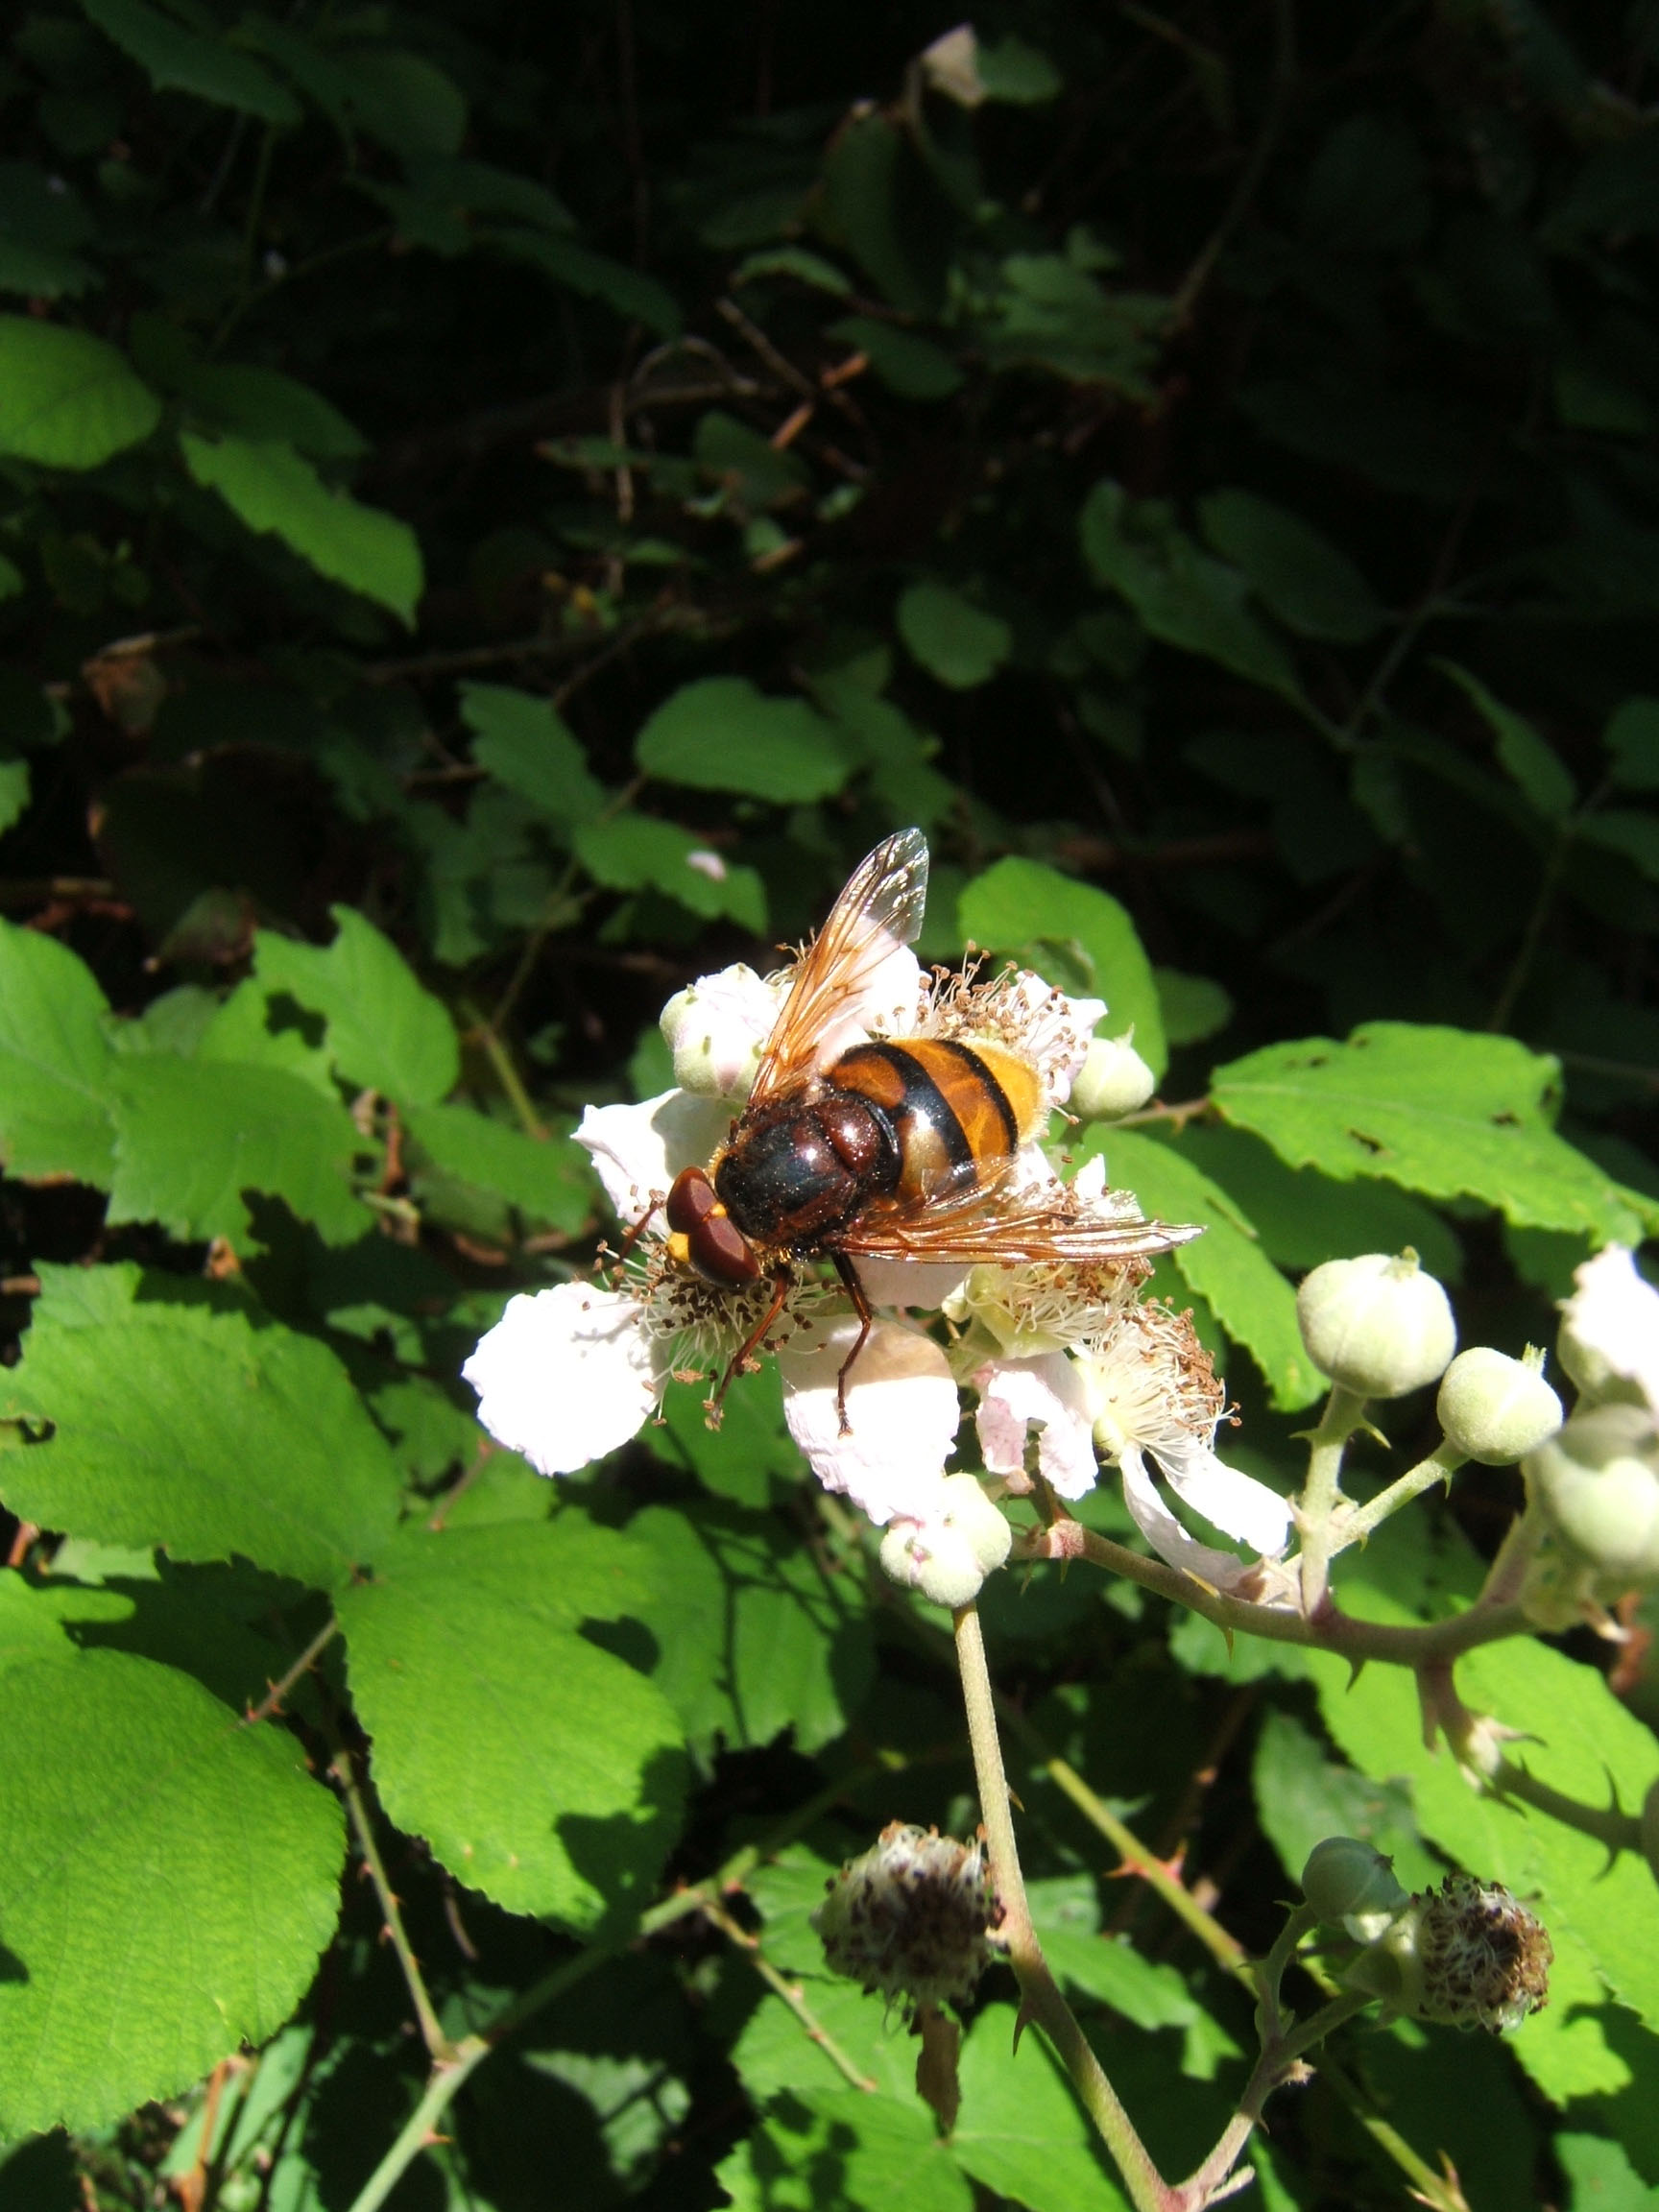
(879, 911)
(1001, 1225)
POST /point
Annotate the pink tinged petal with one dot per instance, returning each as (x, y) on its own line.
(1221, 1570)
(1238, 1503)
(639, 1150)
(901, 1411)
(566, 1376)
(1049, 1390)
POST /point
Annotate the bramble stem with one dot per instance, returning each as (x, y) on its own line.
(1356, 1525)
(780, 1986)
(1040, 1995)
(432, 2034)
(1436, 1642)
(1345, 1410)
(271, 1702)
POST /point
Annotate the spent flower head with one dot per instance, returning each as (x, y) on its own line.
(1468, 1955)
(914, 1919)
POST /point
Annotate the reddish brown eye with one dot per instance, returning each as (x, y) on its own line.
(721, 1251)
(690, 1201)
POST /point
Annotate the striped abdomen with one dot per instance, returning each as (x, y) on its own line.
(894, 1126)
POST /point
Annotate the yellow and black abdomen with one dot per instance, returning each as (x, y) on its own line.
(959, 1112)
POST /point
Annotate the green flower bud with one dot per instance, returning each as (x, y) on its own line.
(1466, 1955)
(1351, 1881)
(1378, 1326)
(914, 1918)
(949, 1555)
(1597, 1485)
(1496, 1410)
(1113, 1080)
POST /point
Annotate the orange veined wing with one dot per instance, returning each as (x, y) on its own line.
(1003, 1224)
(878, 913)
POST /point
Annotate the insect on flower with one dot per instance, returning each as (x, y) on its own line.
(900, 1148)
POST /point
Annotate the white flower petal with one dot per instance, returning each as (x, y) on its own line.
(1236, 1503)
(889, 1001)
(922, 1283)
(1056, 1033)
(1046, 1389)
(566, 1376)
(1221, 1570)
(1610, 1327)
(639, 1150)
(901, 1409)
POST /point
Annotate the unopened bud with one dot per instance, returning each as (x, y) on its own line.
(1466, 1955)
(1377, 1325)
(1113, 1080)
(914, 1918)
(1597, 1485)
(1609, 1341)
(1495, 1410)
(1353, 1882)
(716, 1029)
(949, 1555)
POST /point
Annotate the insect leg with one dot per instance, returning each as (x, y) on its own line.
(781, 1283)
(637, 1231)
(848, 1275)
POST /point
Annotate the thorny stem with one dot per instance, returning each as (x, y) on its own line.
(432, 2034)
(1433, 1644)
(1344, 1410)
(1040, 1995)
(781, 1987)
(1357, 1522)
(271, 1702)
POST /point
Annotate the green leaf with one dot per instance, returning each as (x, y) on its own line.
(405, 101)
(1031, 912)
(630, 293)
(66, 400)
(1193, 1006)
(1632, 739)
(1251, 1299)
(1022, 2132)
(383, 1030)
(1445, 1111)
(182, 1422)
(1302, 1796)
(171, 1878)
(176, 59)
(1532, 765)
(54, 1062)
(720, 733)
(755, 1639)
(42, 223)
(1603, 2177)
(912, 367)
(1579, 1740)
(754, 472)
(1309, 583)
(831, 2149)
(1304, 1217)
(270, 486)
(541, 1769)
(14, 790)
(1182, 596)
(638, 853)
(525, 744)
(264, 405)
(1634, 836)
(548, 1182)
(192, 1137)
(954, 639)
(1022, 75)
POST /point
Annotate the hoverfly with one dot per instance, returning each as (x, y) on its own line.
(896, 1149)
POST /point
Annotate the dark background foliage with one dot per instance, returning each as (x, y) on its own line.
(1207, 453)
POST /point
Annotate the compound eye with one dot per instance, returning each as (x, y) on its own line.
(690, 1201)
(721, 1252)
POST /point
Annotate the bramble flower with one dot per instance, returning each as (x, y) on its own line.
(1062, 1349)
